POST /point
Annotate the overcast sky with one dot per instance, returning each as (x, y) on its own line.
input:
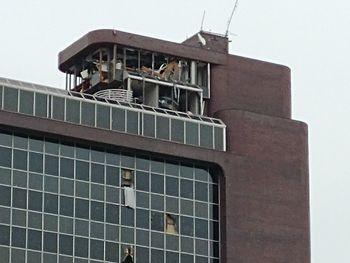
(311, 37)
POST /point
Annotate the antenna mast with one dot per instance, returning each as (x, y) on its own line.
(202, 20)
(229, 21)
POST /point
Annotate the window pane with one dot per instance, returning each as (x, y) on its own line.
(206, 136)
(177, 130)
(51, 165)
(72, 110)
(172, 186)
(57, 108)
(191, 133)
(201, 191)
(26, 102)
(157, 183)
(50, 242)
(35, 201)
(82, 208)
(97, 211)
(10, 99)
(112, 213)
(19, 198)
(35, 162)
(5, 195)
(142, 218)
(51, 146)
(66, 206)
(157, 256)
(132, 122)
(82, 170)
(112, 175)
(186, 188)
(18, 237)
(96, 249)
(50, 203)
(82, 189)
(97, 173)
(81, 247)
(34, 239)
(66, 244)
(87, 113)
(127, 216)
(112, 252)
(201, 228)
(219, 138)
(186, 226)
(118, 119)
(67, 168)
(102, 117)
(157, 221)
(41, 105)
(6, 155)
(4, 235)
(142, 181)
(149, 125)
(19, 159)
(162, 128)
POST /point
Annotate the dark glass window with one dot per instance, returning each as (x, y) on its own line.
(26, 102)
(157, 183)
(112, 252)
(4, 215)
(50, 203)
(35, 201)
(157, 202)
(162, 128)
(66, 186)
(127, 235)
(41, 105)
(157, 166)
(102, 117)
(97, 192)
(6, 155)
(191, 133)
(5, 195)
(127, 216)
(172, 257)
(132, 122)
(142, 181)
(51, 165)
(201, 191)
(34, 239)
(81, 227)
(51, 184)
(149, 125)
(57, 108)
(186, 170)
(36, 144)
(112, 213)
(4, 235)
(157, 221)
(172, 242)
(142, 237)
(82, 170)
(18, 237)
(19, 217)
(185, 258)
(19, 198)
(172, 205)
(142, 199)
(35, 162)
(81, 247)
(157, 239)
(66, 206)
(97, 173)
(67, 168)
(67, 149)
(112, 175)
(186, 207)
(172, 168)
(98, 155)
(96, 249)
(157, 256)
(34, 220)
(118, 119)
(10, 99)
(201, 209)
(82, 208)
(172, 186)
(97, 211)
(142, 218)
(50, 242)
(186, 188)
(19, 159)
(88, 113)
(201, 247)
(20, 141)
(186, 226)
(82, 189)
(97, 230)
(219, 141)
(201, 228)
(66, 244)
(72, 110)
(206, 136)
(177, 130)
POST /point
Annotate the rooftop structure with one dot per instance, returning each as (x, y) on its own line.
(154, 152)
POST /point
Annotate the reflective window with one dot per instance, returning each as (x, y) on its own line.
(118, 119)
(10, 99)
(103, 116)
(162, 128)
(88, 113)
(26, 102)
(19, 159)
(5, 159)
(81, 247)
(58, 108)
(72, 111)
(41, 105)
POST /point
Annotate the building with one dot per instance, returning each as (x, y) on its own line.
(155, 152)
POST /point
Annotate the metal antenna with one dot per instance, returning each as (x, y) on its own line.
(229, 21)
(202, 20)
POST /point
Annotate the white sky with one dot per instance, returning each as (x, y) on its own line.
(311, 37)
